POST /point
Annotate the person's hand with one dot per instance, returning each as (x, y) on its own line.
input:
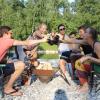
(85, 58)
(45, 38)
(9, 61)
(53, 34)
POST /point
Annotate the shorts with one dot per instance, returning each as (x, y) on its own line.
(66, 55)
(8, 69)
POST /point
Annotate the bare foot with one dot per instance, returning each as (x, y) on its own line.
(83, 89)
(73, 88)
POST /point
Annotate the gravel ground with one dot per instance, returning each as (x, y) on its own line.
(57, 89)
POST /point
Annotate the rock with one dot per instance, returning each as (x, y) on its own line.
(57, 89)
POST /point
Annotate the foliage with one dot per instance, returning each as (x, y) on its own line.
(88, 12)
(24, 17)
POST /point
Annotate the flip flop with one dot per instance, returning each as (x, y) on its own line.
(12, 93)
(16, 87)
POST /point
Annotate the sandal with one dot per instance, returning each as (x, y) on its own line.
(16, 87)
(14, 93)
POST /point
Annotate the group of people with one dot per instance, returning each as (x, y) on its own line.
(80, 51)
(91, 47)
(13, 68)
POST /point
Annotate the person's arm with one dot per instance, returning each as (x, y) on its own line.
(92, 59)
(28, 42)
(95, 60)
(73, 41)
(97, 51)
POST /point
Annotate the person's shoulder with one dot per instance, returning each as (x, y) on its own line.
(97, 44)
(1, 38)
(7, 39)
(36, 32)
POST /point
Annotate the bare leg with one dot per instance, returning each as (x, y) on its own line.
(19, 67)
(62, 64)
(84, 88)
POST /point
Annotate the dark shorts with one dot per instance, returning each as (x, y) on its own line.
(8, 69)
(66, 55)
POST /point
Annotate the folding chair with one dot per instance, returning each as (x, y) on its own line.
(95, 72)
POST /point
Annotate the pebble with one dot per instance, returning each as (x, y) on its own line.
(57, 89)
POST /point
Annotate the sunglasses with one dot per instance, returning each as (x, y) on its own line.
(62, 29)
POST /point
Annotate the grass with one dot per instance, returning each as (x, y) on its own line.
(49, 56)
(46, 46)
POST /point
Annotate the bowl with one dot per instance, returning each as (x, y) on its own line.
(44, 75)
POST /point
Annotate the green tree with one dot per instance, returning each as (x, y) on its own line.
(88, 12)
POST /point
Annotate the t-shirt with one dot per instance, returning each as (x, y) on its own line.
(63, 46)
(5, 44)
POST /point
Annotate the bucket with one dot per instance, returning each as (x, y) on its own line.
(44, 75)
